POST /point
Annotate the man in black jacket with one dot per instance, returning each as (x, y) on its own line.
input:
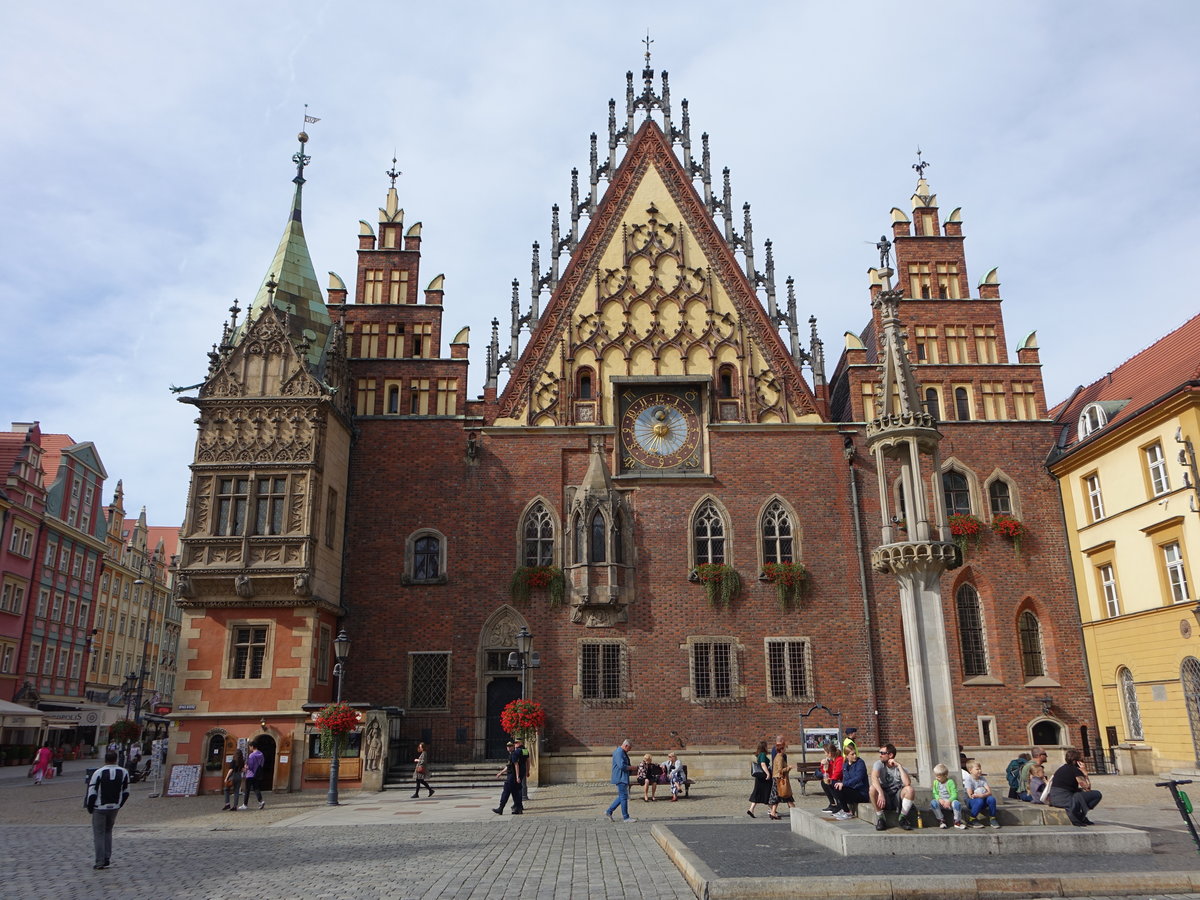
(107, 792)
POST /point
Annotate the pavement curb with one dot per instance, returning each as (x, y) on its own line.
(708, 886)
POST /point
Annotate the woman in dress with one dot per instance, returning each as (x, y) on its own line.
(421, 771)
(42, 763)
(762, 779)
(781, 779)
(1071, 789)
(647, 776)
(233, 779)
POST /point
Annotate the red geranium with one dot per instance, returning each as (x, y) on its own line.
(337, 718)
(521, 718)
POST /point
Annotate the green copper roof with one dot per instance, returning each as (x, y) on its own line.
(297, 291)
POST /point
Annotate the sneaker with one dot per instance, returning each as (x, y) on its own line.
(226, 806)
(942, 825)
(262, 804)
(961, 826)
(906, 822)
(243, 806)
(843, 815)
(498, 812)
(629, 820)
(101, 866)
(975, 823)
(995, 823)
(608, 816)
(880, 825)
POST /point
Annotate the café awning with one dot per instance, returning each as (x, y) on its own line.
(14, 715)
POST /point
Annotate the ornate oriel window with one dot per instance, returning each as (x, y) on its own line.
(708, 534)
(970, 631)
(597, 551)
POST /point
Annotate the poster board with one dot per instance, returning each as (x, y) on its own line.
(184, 781)
(814, 738)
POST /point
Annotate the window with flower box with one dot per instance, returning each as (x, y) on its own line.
(708, 535)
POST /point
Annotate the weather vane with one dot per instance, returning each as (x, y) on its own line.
(393, 173)
(300, 158)
(920, 165)
(648, 41)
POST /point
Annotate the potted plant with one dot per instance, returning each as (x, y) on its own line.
(789, 579)
(334, 722)
(529, 578)
(965, 529)
(1010, 527)
(523, 719)
(124, 731)
(721, 582)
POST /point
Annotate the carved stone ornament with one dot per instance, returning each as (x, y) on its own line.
(599, 616)
(301, 585)
(242, 586)
(184, 583)
(896, 558)
(259, 433)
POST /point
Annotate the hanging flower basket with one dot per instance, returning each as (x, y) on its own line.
(526, 579)
(124, 731)
(721, 582)
(522, 718)
(790, 580)
(1010, 527)
(335, 721)
(965, 529)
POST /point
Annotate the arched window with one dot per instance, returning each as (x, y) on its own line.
(427, 558)
(776, 534)
(538, 537)
(579, 553)
(585, 384)
(1129, 703)
(1033, 661)
(1000, 498)
(725, 382)
(962, 405)
(708, 533)
(957, 493)
(932, 406)
(1092, 418)
(1046, 733)
(970, 631)
(596, 546)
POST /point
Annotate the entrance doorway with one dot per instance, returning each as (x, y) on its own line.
(1189, 675)
(1046, 733)
(500, 692)
(266, 775)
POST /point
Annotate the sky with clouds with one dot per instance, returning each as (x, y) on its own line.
(147, 171)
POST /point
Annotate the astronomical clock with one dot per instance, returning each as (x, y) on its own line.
(661, 429)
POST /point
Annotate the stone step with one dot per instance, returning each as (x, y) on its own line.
(461, 775)
(1011, 813)
(856, 837)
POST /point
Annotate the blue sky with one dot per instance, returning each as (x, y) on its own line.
(147, 168)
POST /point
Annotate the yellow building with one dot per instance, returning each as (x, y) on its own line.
(1126, 468)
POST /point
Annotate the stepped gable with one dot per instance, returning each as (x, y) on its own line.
(650, 149)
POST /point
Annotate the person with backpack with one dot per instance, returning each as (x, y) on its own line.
(108, 789)
(1012, 774)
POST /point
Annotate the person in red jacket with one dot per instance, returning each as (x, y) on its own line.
(831, 773)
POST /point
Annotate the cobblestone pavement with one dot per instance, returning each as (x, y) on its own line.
(388, 845)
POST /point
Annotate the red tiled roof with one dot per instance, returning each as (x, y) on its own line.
(10, 449)
(1160, 369)
(53, 445)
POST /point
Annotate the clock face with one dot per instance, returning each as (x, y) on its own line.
(660, 430)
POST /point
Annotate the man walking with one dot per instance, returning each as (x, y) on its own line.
(254, 764)
(523, 774)
(620, 777)
(512, 781)
(107, 792)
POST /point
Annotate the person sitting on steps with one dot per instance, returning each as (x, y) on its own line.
(944, 797)
(891, 789)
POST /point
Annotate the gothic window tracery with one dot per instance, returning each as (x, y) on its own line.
(708, 534)
(538, 537)
(777, 534)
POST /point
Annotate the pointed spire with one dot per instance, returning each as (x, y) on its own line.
(769, 280)
(748, 242)
(816, 351)
(726, 206)
(297, 291)
(706, 174)
(515, 331)
(535, 290)
(793, 327)
(493, 357)
(575, 210)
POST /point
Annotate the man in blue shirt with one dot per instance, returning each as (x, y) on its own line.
(620, 777)
(513, 777)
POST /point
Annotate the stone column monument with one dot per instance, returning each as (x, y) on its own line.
(903, 439)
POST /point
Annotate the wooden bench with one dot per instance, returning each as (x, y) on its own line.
(687, 782)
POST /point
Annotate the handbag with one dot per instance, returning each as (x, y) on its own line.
(756, 770)
(420, 770)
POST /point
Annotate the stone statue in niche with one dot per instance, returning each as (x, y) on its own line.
(242, 586)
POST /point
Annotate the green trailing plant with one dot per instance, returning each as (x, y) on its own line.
(721, 582)
(790, 580)
(334, 722)
(965, 529)
(1010, 527)
(527, 579)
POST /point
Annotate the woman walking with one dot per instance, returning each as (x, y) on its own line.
(421, 771)
(42, 763)
(233, 780)
(759, 768)
(781, 780)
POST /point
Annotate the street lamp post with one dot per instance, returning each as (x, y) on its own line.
(524, 645)
(341, 650)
